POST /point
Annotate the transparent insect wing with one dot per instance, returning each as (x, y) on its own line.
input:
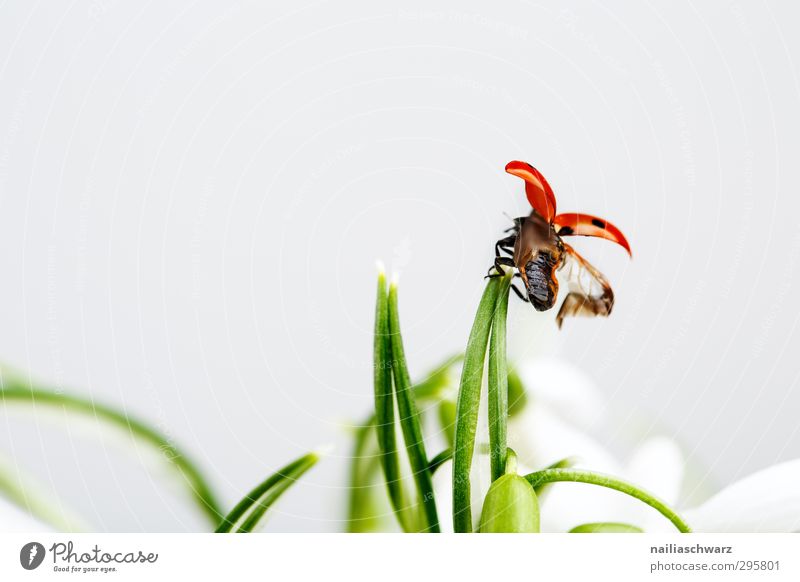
(589, 292)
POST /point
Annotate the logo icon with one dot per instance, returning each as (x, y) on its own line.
(31, 555)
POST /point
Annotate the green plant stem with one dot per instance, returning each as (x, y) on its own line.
(16, 391)
(498, 383)
(582, 476)
(384, 408)
(467, 406)
(409, 418)
(564, 463)
(249, 511)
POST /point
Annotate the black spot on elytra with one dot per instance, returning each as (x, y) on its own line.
(566, 230)
(598, 223)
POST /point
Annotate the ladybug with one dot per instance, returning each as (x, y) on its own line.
(535, 250)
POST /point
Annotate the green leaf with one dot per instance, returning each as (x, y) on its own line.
(15, 390)
(517, 397)
(440, 460)
(384, 408)
(27, 494)
(467, 406)
(498, 383)
(364, 511)
(606, 527)
(409, 418)
(251, 509)
(363, 515)
(582, 476)
(447, 420)
(437, 380)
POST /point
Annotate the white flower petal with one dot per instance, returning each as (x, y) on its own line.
(766, 501)
(531, 334)
(657, 466)
(565, 389)
(443, 492)
(540, 437)
(565, 505)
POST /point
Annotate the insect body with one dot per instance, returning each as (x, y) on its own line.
(535, 250)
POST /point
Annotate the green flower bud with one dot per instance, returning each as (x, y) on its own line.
(510, 506)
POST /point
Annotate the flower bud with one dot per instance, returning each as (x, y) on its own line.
(510, 506)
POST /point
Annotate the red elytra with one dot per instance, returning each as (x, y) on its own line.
(542, 200)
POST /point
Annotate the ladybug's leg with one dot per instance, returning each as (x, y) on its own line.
(520, 294)
(499, 263)
(505, 244)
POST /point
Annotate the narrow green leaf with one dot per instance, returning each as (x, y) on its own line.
(364, 512)
(498, 383)
(409, 418)
(582, 476)
(467, 406)
(249, 511)
(606, 527)
(16, 390)
(440, 460)
(384, 408)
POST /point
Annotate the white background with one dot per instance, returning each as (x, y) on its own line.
(193, 195)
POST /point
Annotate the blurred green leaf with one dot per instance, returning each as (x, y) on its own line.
(17, 391)
(517, 396)
(251, 509)
(440, 460)
(24, 492)
(363, 513)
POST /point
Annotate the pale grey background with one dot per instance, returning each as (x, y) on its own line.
(193, 195)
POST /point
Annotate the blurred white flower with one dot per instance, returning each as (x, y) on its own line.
(766, 501)
(560, 400)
